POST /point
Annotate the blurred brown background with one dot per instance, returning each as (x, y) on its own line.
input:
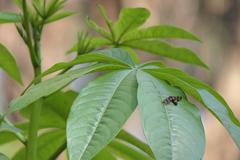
(217, 22)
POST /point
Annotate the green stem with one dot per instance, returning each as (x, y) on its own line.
(34, 125)
(33, 43)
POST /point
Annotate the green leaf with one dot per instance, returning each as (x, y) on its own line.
(172, 131)
(161, 31)
(93, 25)
(8, 64)
(95, 42)
(123, 55)
(98, 42)
(49, 145)
(205, 95)
(132, 53)
(107, 20)
(52, 85)
(18, 133)
(153, 63)
(55, 110)
(166, 50)
(105, 154)
(129, 19)
(127, 151)
(58, 16)
(10, 17)
(99, 112)
(3, 157)
(112, 56)
(6, 137)
(7, 127)
(39, 7)
(125, 136)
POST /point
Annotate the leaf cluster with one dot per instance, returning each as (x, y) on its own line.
(89, 124)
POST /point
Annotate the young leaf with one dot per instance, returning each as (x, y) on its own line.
(172, 131)
(94, 43)
(8, 64)
(161, 31)
(93, 25)
(58, 16)
(205, 95)
(49, 145)
(129, 19)
(39, 7)
(166, 50)
(107, 20)
(10, 17)
(127, 151)
(106, 102)
(52, 85)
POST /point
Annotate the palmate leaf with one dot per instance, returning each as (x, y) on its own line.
(96, 118)
(166, 50)
(8, 64)
(129, 19)
(52, 85)
(205, 95)
(50, 145)
(173, 132)
(161, 31)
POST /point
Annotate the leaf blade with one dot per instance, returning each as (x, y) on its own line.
(45, 149)
(205, 95)
(164, 49)
(182, 120)
(125, 136)
(160, 31)
(8, 64)
(52, 85)
(127, 151)
(58, 16)
(6, 17)
(129, 19)
(55, 110)
(110, 91)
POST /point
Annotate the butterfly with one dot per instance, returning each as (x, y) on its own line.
(172, 99)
